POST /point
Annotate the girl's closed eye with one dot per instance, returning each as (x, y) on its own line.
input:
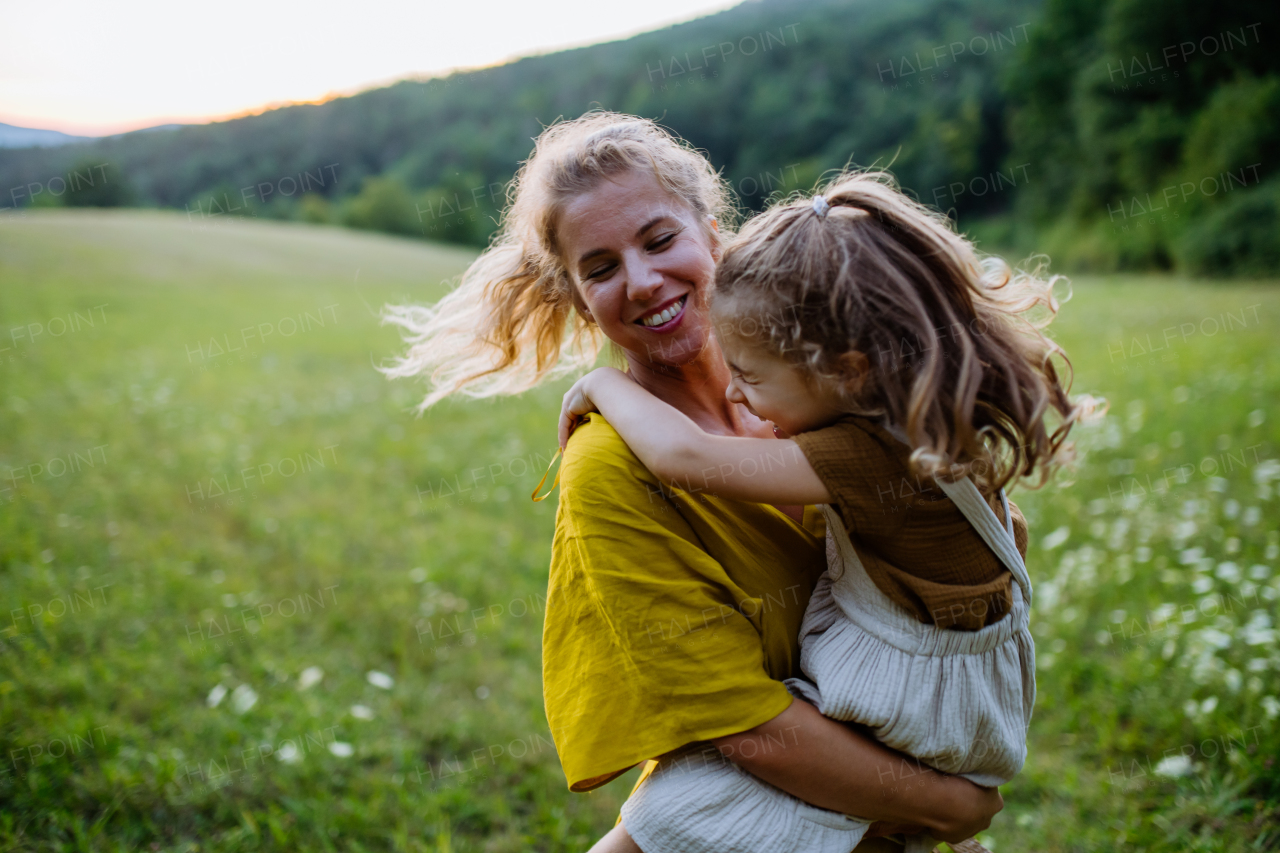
(739, 375)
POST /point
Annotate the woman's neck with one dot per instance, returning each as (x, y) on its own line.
(697, 389)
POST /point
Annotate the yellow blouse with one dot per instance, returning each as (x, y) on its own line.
(672, 616)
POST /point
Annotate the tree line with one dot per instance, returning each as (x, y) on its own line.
(1114, 134)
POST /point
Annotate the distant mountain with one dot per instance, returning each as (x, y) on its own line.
(30, 137)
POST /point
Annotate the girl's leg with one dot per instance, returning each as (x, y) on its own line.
(617, 841)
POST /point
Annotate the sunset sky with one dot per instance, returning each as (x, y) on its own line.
(94, 68)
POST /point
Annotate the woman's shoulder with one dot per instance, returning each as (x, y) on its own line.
(596, 449)
(596, 458)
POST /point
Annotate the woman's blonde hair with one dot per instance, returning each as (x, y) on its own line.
(880, 294)
(511, 322)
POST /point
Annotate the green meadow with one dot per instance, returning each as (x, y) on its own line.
(251, 602)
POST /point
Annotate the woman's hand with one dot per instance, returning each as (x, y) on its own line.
(577, 402)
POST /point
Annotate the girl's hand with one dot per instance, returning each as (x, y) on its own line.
(577, 402)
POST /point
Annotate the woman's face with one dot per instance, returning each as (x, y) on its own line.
(642, 262)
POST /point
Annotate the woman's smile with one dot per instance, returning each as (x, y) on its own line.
(667, 318)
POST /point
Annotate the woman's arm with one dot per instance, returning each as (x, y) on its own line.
(825, 763)
(762, 470)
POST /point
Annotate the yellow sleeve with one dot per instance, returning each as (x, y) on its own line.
(644, 650)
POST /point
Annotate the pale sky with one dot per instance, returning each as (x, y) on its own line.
(94, 68)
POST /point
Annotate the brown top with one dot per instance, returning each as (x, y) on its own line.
(915, 544)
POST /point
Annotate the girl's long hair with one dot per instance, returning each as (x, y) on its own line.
(515, 319)
(881, 295)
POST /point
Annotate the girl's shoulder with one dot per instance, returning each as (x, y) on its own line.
(851, 437)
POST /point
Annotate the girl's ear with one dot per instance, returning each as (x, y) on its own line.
(853, 369)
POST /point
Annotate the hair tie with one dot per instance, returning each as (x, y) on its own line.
(820, 205)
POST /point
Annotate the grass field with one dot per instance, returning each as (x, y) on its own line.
(250, 602)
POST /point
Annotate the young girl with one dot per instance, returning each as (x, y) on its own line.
(909, 388)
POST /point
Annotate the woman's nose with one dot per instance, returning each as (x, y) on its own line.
(643, 280)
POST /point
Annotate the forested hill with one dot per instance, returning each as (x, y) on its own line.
(1011, 113)
(783, 85)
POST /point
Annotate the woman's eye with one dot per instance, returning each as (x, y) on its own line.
(662, 242)
(600, 272)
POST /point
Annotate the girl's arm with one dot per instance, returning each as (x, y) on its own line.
(828, 764)
(761, 470)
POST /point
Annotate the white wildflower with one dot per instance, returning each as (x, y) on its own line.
(362, 712)
(243, 698)
(1056, 538)
(379, 679)
(342, 750)
(1271, 706)
(215, 696)
(1233, 680)
(1215, 638)
(1228, 571)
(309, 677)
(1173, 766)
(1266, 471)
(289, 753)
(1257, 631)
(1184, 530)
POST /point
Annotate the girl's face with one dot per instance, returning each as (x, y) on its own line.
(776, 390)
(642, 262)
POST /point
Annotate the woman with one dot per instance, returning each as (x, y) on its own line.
(672, 616)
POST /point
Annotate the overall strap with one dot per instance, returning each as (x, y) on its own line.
(999, 537)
